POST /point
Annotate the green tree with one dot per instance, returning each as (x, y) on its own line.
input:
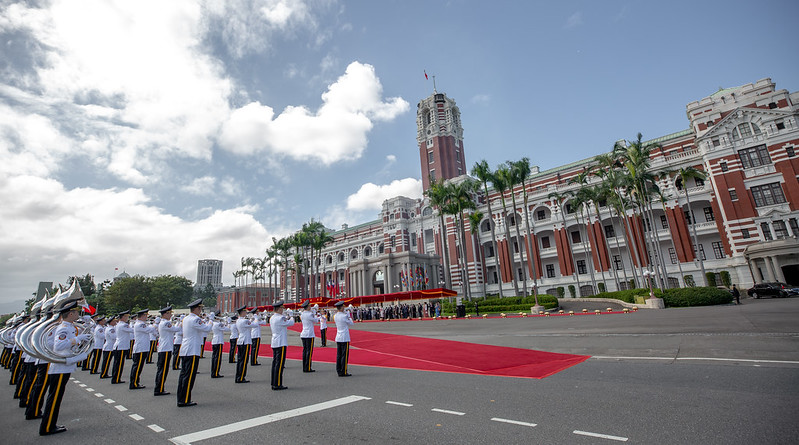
(503, 182)
(86, 284)
(684, 174)
(438, 199)
(127, 293)
(483, 173)
(169, 289)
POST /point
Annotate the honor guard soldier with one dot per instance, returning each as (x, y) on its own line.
(322, 325)
(256, 336)
(153, 338)
(121, 346)
(108, 346)
(234, 337)
(194, 329)
(177, 341)
(218, 328)
(307, 336)
(243, 345)
(97, 351)
(166, 339)
(87, 364)
(280, 341)
(141, 347)
(65, 338)
(343, 322)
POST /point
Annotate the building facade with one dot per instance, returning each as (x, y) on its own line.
(209, 272)
(741, 219)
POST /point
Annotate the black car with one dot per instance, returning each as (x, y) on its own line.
(769, 290)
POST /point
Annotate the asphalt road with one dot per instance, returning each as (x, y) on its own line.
(715, 375)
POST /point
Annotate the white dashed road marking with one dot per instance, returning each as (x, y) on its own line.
(90, 389)
(82, 385)
(155, 428)
(446, 411)
(398, 403)
(121, 408)
(515, 422)
(258, 421)
(97, 394)
(601, 436)
(110, 401)
(136, 417)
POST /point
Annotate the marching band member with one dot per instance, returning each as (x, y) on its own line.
(234, 337)
(65, 338)
(177, 341)
(99, 341)
(141, 347)
(278, 323)
(166, 338)
(16, 361)
(307, 336)
(243, 345)
(108, 346)
(87, 364)
(256, 335)
(218, 328)
(121, 346)
(23, 367)
(153, 338)
(343, 322)
(193, 331)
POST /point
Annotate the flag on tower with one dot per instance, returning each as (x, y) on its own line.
(425, 75)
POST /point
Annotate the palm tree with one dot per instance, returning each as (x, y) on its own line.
(517, 177)
(319, 241)
(522, 168)
(560, 199)
(685, 173)
(502, 182)
(458, 199)
(437, 194)
(483, 173)
(580, 200)
(474, 225)
(662, 198)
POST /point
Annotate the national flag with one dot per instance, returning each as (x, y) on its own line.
(425, 75)
(89, 309)
(116, 268)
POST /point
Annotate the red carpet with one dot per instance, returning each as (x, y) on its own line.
(424, 354)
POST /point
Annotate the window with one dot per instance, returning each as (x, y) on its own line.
(754, 156)
(647, 225)
(430, 157)
(550, 271)
(699, 182)
(745, 130)
(780, 230)
(780, 125)
(733, 194)
(790, 152)
(701, 252)
(617, 263)
(489, 251)
(512, 220)
(664, 222)
(576, 237)
(718, 250)
(768, 194)
(766, 231)
(429, 142)
(709, 214)
(541, 215)
(673, 255)
(485, 226)
(413, 240)
(745, 233)
(772, 105)
(569, 209)
(433, 175)
(428, 236)
(609, 231)
(715, 142)
(515, 246)
(581, 267)
(723, 166)
(794, 226)
(688, 217)
(458, 155)
(545, 242)
(392, 241)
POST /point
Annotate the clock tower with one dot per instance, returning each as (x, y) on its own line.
(440, 138)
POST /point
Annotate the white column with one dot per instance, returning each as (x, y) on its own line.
(778, 275)
(769, 269)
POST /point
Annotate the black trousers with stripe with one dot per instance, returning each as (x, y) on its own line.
(342, 357)
(95, 366)
(162, 370)
(119, 365)
(241, 362)
(24, 376)
(153, 344)
(176, 357)
(231, 358)
(278, 361)
(135, 371)
(4, 357)
(216, 360)
(15, 365)
(27, 383)
(106, 364)
(55, 393)
(256, 346)
(323, 333)
(307, 353)
(36, 399)
(188, 374)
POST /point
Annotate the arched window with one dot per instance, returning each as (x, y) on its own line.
(367, 252)
(341, 257)
(427, 211)
(354, 254)
(744, 130)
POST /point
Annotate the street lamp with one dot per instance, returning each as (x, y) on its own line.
(648, 274)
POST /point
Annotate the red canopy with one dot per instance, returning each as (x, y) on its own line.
(371, 299)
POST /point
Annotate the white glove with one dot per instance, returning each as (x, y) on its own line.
(77, 358)
(82, 337)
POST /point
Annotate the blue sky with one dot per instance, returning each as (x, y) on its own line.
(147, 135)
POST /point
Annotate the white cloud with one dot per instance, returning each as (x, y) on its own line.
(63, 232)
(391, 159)
(371, 196)
(574, 20)
(336, 132)
(210, 186)
(481, 99)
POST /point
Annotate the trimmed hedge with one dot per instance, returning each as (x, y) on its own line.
(682, 297)
(509, 304)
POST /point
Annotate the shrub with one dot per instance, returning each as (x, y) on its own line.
(571, 290)
(711, 278)
(696, 296)
(726, 280)
(508, 304)
(627, 295)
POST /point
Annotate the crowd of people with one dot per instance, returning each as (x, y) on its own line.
(170, 341)
(397, 311)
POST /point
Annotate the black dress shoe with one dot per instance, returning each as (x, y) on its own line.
(137, 387)
(344, 375)
(279, 388)
(242, 381)
(58, 429)
(162, 393)
(181, 405)
(256, 364)
(117, 383)
(33, 417)
(217, 376)
(310, 370)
